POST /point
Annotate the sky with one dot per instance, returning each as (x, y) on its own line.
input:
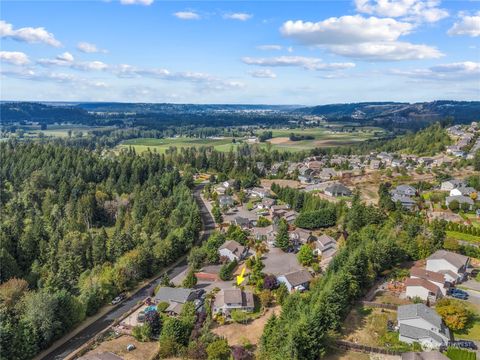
(241, 52)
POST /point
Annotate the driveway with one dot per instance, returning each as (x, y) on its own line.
(278, 262)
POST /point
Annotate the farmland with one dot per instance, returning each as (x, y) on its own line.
(321, 138)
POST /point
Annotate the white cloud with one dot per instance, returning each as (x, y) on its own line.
(416, 10)
(14, 57)
(89, 48)
(67, 60)
(28, 34)
(263, 73)
(66, 56)
(136, 2)
(238, 16)
(468, 25)
(387, 51)
(467, 70)
(308, 63)
(269, 47)
(345, 30)
(187, 15)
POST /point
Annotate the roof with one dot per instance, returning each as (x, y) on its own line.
(324, 240)
(456, 260)
(233, 246)
(175, 308)
(211, 269)
(170, 294)
(423, 283)
(234, 296)
(338, 188)
(298, 277)
(427, 275)
(425, 355)
(101, 356)
(460, 198)
(422, 311)
(417, 333)
(405, 188)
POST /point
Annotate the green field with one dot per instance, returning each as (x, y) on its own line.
(322, 138)
(465, 237)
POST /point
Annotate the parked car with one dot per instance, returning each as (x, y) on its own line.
(118, 299)
(457, 291)
(464, 344)
(141, 316)
(460, 296)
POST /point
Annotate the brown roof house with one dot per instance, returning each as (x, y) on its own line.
(296, 281)
(232, 299)
(232, 250)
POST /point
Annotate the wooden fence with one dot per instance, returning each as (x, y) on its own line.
(347, 345)
(379, 305)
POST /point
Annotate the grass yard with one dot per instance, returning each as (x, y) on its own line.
(472, 330)
(386, 297)
(118, 346)
(461, 236)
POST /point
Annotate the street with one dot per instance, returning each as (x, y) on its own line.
(89, 332)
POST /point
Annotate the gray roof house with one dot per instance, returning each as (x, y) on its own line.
(405, 201)
(232, 299)
(463, 190)
(460, 199)
(418, 323)
(176, 297)
(405, 190)
(326, 246)
(450, 264)
(301, 236)
(451, 184)
(232, 250)
(338, 190)
(267, 234)
(225, 201)
(296, 281)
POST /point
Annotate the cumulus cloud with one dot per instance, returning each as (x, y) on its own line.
(345, 30)
(270, 47)
(14, 57)
(89, 48)
(187, 15)
(308, 63)
(238, 16)
(28, 34)
(67, 60)
(263, 73)
(136, 2)
(387, 51)
(416, 10)
(467, 70)
(467, 25)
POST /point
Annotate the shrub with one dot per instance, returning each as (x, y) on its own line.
(270, 282)
(316, 219)
(227, 270)
(162, 306)
(142, 333)
(168, 347)
(454, 312)
(218, 350)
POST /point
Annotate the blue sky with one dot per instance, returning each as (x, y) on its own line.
(275, 52)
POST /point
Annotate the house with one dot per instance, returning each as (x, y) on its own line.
(325, 246)
(209, 273)
(451, 184)
(405, 190)
(243, 222)
(296, 281)
(423, 289)
(386, 158)
(405, 201)
(290, 216)
(267, 234)
(418, 323)
(301, 236)
(327, 173)
(232, 299)
(305, 179)
(424, 355)
(266, 203)
(176, 298)
(464, 190)
(437, 279)
(449, 263)
(232, 250)
(337, 190)
(225, 201)
(259, 192)
(460, 199)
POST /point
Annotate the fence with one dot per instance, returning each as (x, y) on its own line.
(379, 305)
(347, 345)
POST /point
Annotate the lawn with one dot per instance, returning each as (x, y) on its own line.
(461, 236)
(472, 330)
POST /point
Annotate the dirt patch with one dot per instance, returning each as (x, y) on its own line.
(279, 140)
(118, 346)
(352, 355)
(267, 183)
(236, 334)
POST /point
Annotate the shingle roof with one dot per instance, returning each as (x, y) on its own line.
(169, 294)
(413, 311)
(298, 277)
(427, 275)
(324, 240)
(416, 333)
(233, 246)
(456, 260)
(234, 296)
(423, 283)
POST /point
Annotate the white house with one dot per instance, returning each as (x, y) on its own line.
(325, 246)
(448, 263)
(232, 250)
(259, 192)
(437, 279)
(418, 323)
(296, 281)
(451, 184)
(423, 289)
(232, 299)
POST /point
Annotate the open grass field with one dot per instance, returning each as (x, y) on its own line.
(280, 141)
(465, 237)
(62, 131)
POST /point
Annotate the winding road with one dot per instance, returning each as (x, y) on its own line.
(62, 351)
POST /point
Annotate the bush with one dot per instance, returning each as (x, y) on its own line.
(266, 298)
(218, 350)
(168, 347)
(460, 354)
(142, 333)
(263, 222)
(316, 219)
(305, 256)
(162, 306)
(240, 316)
(226, 270)
(270, 282)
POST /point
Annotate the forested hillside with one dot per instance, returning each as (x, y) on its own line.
(77, 228)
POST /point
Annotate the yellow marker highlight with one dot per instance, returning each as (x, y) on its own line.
(240, 277)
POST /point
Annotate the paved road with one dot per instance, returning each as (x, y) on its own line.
(89, 332)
